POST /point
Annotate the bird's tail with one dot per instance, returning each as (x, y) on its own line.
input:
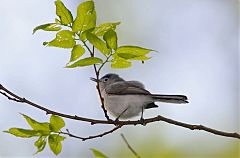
(177, 99)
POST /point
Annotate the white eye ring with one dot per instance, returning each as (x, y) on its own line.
(105, 80)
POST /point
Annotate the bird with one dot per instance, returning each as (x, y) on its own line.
(126, 99)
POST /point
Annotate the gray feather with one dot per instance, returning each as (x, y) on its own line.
(178, 99)
(150, 105)
(136, 84)
(126, 87)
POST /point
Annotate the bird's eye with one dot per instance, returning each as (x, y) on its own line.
(105, 79)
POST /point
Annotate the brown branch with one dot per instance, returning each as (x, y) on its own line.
(103, 134)
(92, 137)
(129, 146)
(9, 97)
(92, 53)
(71, 135)
(98, 88)
(121, 123)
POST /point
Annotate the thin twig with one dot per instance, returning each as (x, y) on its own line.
(71, 135)
(103, 134)
(10, 98)
(107, 60)
(97, 76)
(98, 87)
(91, 137)
(122, 123)
(129, 146)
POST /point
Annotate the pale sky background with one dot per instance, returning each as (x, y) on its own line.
(197, 44)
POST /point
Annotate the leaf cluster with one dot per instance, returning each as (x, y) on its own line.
(44, 131)
(77, 33)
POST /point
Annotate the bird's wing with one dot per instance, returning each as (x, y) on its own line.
(136, 84)
(126, 87)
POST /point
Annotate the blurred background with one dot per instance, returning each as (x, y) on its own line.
(197, 44)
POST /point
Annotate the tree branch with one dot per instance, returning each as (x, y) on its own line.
(98, 89)
(92, 53)
(12, 96)
(91, 137)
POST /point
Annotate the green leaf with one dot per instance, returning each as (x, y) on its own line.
(119, 63)
(64, 39)
(40, 144)
(98, 154)
(142, 58)
(77, 52)
(98, 43)
(103, 28)
(63, 13)
(111, 38)
(85, 62)
(37, 126)
(55, 143)
(86, 17)
(133, 50)
(47, 27)
(24, 133)
(57, 21)
(83, 34)
(56, 123)
(128, 56)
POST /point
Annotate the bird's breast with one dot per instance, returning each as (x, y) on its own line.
(116, 104)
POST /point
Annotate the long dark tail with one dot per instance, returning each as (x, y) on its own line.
(177, 99)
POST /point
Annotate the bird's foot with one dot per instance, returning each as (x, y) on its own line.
(116, 121)
(142, 121)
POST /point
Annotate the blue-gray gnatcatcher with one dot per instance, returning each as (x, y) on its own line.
(125, 99)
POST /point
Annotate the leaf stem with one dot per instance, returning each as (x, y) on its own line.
(107, 60)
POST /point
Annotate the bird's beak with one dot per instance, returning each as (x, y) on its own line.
(94, 79)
